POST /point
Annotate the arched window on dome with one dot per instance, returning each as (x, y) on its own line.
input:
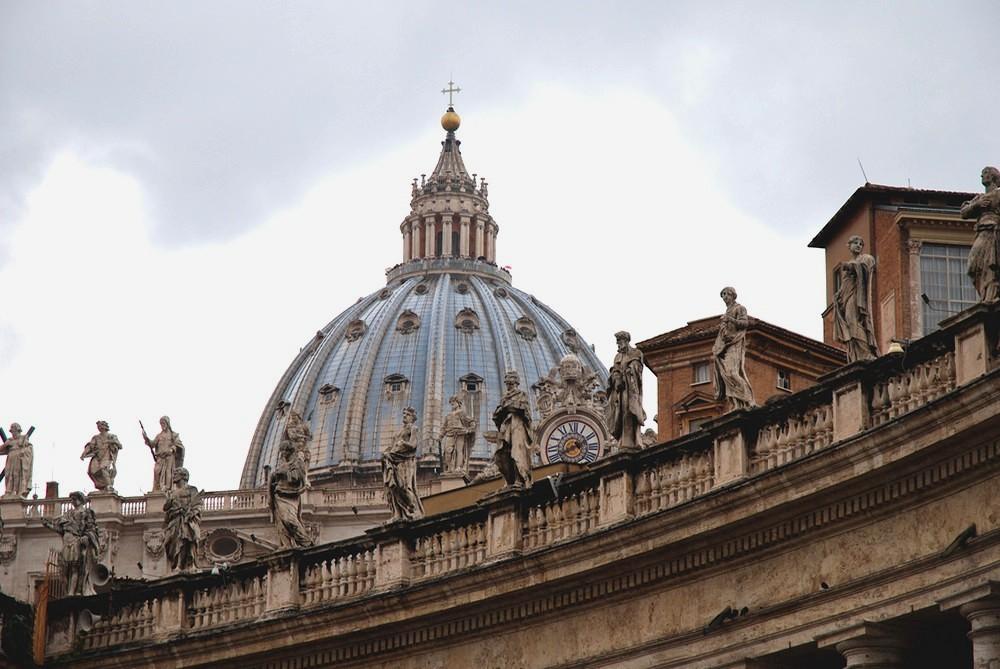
(525, 327)
(408, 322)
(396, 386)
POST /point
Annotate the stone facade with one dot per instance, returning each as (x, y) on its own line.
(821, 529)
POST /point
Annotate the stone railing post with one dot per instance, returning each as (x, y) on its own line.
(974, 354)
(282, 581)
(11, 508)
(850, 401)
(731, 448)
(867, 646)
(393, 560)
(504, 528)
(617, 489)
(105, 505)
(170, 612)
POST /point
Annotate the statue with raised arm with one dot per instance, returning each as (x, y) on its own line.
(515, 435)
(168, 454)
(102, 449)
(285, 488)
(20, 457)
(728, 352)
(399, 471)
(624, 413)
(80, 544)
(182, 522)
(984, 256)
(458, 434)
(852, 303)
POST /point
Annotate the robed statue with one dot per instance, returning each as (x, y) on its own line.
(984, 256)
(852, 303)
(80, 544)
(102, 449)
(168, 454)
(729, 352)
(298, 433)
(20, 457)
(182, 522)
(285, 488)
(458, 434)
(624, 413)
(515, 435)
(399, 471)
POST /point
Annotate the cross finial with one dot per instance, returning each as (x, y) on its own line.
(451, 90)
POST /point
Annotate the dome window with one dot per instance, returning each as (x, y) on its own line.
(462, 288)
(421, 289)
(384, 294)
(467, 321)
(408, 322)
(472, 393)
(501, 292)
(571, 339)
(328, 393)
(525, 327)
(395, 385)
(355, 330)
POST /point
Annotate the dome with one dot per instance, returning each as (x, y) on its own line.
(448, 322)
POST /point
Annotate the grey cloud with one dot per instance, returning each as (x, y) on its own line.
(227, 111)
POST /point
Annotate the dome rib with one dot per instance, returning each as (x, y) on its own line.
(436, 359)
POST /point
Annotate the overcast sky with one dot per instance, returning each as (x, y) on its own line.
(188, 191)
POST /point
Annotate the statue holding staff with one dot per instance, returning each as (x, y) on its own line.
(168, 453)
(102, 449)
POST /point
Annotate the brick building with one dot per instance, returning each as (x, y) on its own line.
(920, 244)
(778, 363)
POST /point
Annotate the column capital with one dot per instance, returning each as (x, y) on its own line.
(867, 644)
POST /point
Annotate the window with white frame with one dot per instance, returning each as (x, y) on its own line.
(701, 373)
(944, 282)
(784, 379)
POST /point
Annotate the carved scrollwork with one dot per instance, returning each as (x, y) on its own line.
(525, 327)
(467, 321)
(356, 329)
(153, 539)
(408, 322)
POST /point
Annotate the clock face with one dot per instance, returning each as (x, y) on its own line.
(572, 440)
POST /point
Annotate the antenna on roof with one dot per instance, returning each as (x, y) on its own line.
(863, 170)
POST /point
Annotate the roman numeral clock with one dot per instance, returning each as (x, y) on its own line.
(572, 438)
(570, 399)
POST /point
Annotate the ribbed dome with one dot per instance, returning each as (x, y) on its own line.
(448, 322)
(441, 327)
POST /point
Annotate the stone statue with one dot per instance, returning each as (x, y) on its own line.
(649, 437)
(728, 351)
(297, 431)
(458, 434)
(168, 453)
(182, 522)
(285, 488)
(515, 435)
(624, 412)
(102, 449)
(852, 314)
(80, 544)
(20, 456)
(399, 472)
(984, 256)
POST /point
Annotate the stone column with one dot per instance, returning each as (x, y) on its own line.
(446, 235)
(984, 619)
(916, 304)
(407, 241)
(491, 243)
(463, 241)
(867, 646)
(429, 236)
(480, 234)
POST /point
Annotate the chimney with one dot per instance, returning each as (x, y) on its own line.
(51, 489)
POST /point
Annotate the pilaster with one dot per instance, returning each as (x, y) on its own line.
(429, 236)
(463, 239)
(446, 235)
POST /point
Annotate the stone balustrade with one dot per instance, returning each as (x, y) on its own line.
(858, 398)
(338, 577)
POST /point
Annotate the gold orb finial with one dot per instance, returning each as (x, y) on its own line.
(450, 121)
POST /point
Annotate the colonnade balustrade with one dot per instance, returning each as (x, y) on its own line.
(624, 488)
